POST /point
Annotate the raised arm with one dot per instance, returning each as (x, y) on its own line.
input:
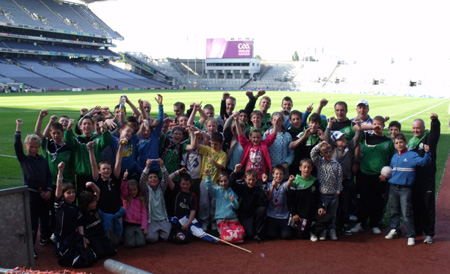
(92, 160)
(195, 108)
(209, 183)
(136, 112)
(203, 117)
(322, 104)
(94, 188)
(239, 130)
(119, 157)
(59, 180)
(290, 181)
(18, 146)
(358, 134)
(223, 105)
(37, 128)
(173, 175)
(193, 136)
(303, 138)
(144, 114)
(52, 120)
(327, 133)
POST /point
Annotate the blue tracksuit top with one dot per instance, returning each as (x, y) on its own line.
(404, 167)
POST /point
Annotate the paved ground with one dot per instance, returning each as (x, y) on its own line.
(361, 253)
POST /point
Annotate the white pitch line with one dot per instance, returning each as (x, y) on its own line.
(404, 119)
(7, 156)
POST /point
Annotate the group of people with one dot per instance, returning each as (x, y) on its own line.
(139, 179)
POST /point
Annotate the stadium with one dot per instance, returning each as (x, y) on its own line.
(56, 45)
(64, 48)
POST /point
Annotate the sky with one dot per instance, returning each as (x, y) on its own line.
(343, 29)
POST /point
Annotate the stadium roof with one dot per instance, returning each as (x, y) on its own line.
(87, 1)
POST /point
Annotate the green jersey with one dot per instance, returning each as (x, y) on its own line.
(54, 155)
(376, 153)
(78, 144)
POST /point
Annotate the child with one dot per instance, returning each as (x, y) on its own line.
(277, 211)
(264, 106)
(135, 220)
(286, 107)
(172, 150)
(110, 203)
(231, 145)
(307, 211)
(295, 128)
(147, 147)
(394, 128)
(377, 151)
(82, 165)
(403, 165)
(178, 110)
(37, 177)
(279, 151)
(129, 140)
(55, 149)
(329, 173)
(343, 153)
(185, 203)
(93, 226)
(214, 159)
(64, 121)
(226, 200)
(256, 154)
(253, 203)
(305, 141)
(256, 119)
(153, 190)
(69, 231)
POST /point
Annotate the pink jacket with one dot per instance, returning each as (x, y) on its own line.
(136, 213)
(265, 144)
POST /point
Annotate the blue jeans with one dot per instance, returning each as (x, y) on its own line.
(331, 203)
(400, 199)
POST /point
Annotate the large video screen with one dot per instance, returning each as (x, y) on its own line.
(227, 48)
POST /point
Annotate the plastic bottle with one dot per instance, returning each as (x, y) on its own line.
(122, 103)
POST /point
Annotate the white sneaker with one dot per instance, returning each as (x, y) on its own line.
(376, 230)
(322, 236)
(411, 241)
(353, 218)
(332, 235)
(313, 238)
(356, 228)
(391, 235)
(428, 240)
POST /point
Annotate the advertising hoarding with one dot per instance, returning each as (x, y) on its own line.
(228, 48)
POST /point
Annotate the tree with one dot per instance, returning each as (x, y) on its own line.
(295, 56)
(258, 57)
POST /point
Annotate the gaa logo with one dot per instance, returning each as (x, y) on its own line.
(243, 46)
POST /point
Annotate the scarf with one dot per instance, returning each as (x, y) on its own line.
(415, 141)
(302, 183)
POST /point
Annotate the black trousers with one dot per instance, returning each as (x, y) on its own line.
(370, 192)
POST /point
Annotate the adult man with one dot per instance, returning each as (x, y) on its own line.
(342, 123)
(226, 108)
(423, 194)
(362, 109)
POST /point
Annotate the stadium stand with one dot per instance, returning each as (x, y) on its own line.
(54, 45)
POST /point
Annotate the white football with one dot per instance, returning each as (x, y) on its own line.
(386, 172)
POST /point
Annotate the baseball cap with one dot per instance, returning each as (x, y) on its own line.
(362, 101)
(336, 135)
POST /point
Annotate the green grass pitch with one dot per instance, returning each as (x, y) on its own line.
(27, 107)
